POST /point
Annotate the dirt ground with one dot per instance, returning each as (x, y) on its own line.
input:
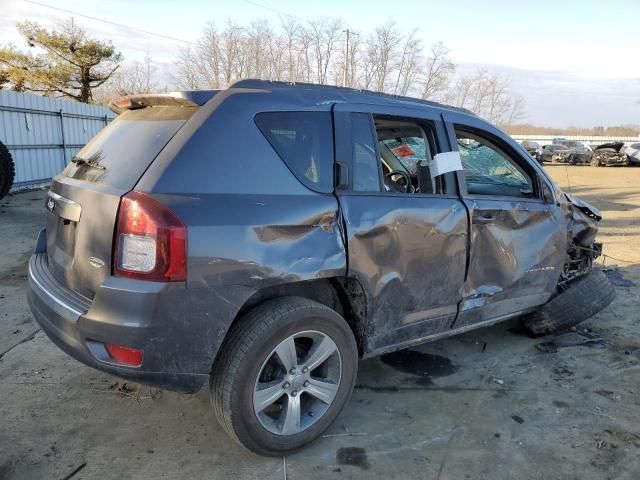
(484, 405)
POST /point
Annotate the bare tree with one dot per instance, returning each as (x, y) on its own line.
(386, 60)
(488, 95)
(324, 34)
(137, 77)
(409, 64)
(187, 74)
(231, 53)
(291, 28)
(369, 64)
(437, 71)
(386, 39)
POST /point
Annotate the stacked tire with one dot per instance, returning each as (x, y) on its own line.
(7, 170)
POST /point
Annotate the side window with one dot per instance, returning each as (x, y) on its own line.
(304, 141)
(490, 171)
(366, 173)
(406, 149)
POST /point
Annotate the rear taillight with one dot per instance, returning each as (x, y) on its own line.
(127, 355)
(150, 242)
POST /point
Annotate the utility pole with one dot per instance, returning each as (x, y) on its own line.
(345, 72)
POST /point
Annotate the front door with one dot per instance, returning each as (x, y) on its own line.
(517, 238)
(406, 232)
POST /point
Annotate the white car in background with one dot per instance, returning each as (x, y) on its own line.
(633, 152)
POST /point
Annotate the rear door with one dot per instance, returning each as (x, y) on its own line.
(518, 238)
(83, 201)
(406, 246)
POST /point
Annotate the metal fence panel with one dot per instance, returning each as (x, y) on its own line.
(44, 133)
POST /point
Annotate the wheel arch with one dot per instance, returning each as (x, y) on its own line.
(344, 295)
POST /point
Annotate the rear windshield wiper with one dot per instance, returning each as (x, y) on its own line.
(90, 163)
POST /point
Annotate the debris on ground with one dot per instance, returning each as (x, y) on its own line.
(126, 390)
(616, 278)
(122, 388)
(72, 474)
(571, 339)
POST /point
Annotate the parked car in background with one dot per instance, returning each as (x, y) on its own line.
(633, 153)
(581, 153)
(533, 148)
(556, 153)
(261, 239)
(609, 155)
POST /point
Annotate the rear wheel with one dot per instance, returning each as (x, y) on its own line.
(7, 170)
(285, 372)
(583, 299)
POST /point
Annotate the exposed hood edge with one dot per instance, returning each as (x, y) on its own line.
(615, 145)
(584, 207)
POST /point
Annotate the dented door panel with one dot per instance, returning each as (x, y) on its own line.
(409, 253)
(517, 245)
(517, 250)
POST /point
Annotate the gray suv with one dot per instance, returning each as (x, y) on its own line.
(265, 237)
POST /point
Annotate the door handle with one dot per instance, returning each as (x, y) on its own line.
(484, 218)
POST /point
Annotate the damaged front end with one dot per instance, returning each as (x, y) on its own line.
(561, 157)
(610, 155)
(582, 249)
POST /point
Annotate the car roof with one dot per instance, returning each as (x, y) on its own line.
(330, 94)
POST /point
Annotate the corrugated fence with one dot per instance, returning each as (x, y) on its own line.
(43, 134)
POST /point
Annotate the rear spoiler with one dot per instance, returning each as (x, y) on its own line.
(193, 98)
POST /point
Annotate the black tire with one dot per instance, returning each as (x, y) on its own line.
(583, 299)
(7, 170)
(249, 343)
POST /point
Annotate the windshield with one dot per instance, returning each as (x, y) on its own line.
(121, 152)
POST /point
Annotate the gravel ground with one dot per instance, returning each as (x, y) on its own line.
(484, 405)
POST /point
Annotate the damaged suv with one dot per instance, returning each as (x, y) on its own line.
(265, 237)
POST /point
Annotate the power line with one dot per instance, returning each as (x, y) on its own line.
(279, 12)
(139, 30)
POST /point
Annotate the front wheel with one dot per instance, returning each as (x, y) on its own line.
(581, 300)
(285, 372)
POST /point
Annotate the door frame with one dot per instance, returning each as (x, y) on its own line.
(546, 199)
(343, 157)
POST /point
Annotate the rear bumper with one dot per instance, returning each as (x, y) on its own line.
(126, 312)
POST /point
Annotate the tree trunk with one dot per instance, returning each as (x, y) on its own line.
(85, 86)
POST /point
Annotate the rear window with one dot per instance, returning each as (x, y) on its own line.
(121, 152)
(304, 141)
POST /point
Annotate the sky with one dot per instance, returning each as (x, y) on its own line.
(575, 62)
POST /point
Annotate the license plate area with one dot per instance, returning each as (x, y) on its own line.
(66, 236)
(62, 223)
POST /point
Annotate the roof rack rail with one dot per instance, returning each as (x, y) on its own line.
(256, 83)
